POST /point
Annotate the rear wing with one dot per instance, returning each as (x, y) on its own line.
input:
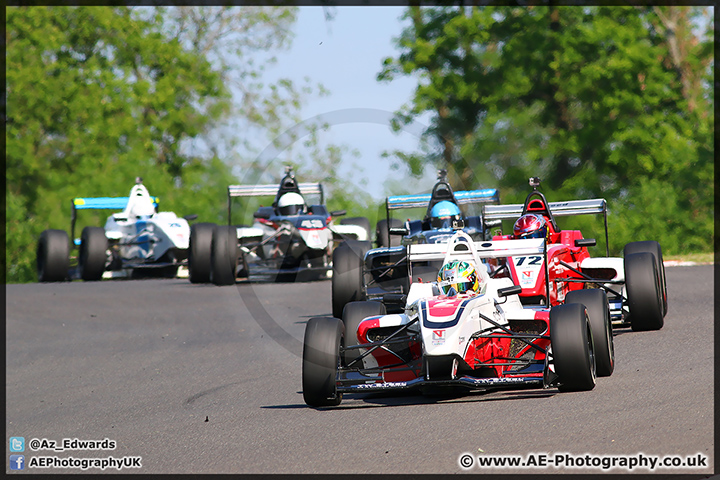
(99, 203)
(463, 197)
(467, 250)
(594, 206)
(459, 251)
(558, 209)
(268, 190)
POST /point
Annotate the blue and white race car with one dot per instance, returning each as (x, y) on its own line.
(136, 241)
(361, 273)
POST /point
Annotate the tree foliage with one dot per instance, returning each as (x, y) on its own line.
(611, 102)
(99, 95)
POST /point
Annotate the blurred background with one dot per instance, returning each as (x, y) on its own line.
(611, 102)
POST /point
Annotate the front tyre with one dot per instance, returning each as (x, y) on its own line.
(224, 255)
(93, 253)
(654, 248)
(572, 347)
(347, 279)
(596, 303)
(200, 252)
(53, 256)
(644, 292)
(321, 360)
(382, 235)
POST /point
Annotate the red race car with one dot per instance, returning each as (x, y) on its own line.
(635, 284)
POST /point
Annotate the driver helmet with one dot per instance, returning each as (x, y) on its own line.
(443, 213)
(530, 225)
(459, 277)
(291, 204)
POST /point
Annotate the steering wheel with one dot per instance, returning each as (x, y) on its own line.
(498, 270)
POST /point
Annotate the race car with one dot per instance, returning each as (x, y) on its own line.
(138, 241)
(465, 330)
(635, 284)
(289, 239)
(360, 272)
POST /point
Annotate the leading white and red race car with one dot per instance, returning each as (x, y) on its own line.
(480, 339)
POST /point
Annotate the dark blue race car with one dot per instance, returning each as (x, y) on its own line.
(363, 273)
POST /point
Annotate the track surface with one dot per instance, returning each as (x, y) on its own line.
(204, 379)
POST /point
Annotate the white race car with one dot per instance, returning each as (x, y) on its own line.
(134, 242)
(466, 330)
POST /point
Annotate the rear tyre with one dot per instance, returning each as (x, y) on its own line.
(654, 248)
(347, 279)
(321, 360)
(596, 303)
(644, 292)
(384, 239)
(200, 252)
(360, 222)
(53, 256)
(224, 255)
(572, 347)
(93, 253)
(353, 314)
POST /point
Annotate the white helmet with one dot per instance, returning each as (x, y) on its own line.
(291, 204)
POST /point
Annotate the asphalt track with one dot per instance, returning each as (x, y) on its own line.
(203, 379)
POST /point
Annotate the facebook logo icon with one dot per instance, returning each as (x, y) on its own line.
(17, 462)
(17, 444)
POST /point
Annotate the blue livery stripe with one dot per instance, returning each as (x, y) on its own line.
(462, 197)
(104, 203)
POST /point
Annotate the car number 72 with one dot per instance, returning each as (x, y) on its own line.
(533, 260)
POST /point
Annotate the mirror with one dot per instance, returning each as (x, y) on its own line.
(338, 213)
(398, 231)
(585, 242)
(514, 290)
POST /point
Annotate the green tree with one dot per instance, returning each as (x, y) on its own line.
(597, 101)
(99, 95)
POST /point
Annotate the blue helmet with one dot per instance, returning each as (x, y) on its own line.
(443, 213)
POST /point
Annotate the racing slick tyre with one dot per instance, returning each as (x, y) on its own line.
(347, 278)
(653, 247)
(644, 292)
(199, 252)
(93, 253)
(572, 347)
(596, 303)
(353, 314)
(360, 222)
(321, 360)
(223, 255)
(53, 256)
(383, 237)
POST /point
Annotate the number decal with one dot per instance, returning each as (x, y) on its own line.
(534, 260)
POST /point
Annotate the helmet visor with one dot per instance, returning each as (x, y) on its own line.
(536, 234)
(290, 209)
(457, 287)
